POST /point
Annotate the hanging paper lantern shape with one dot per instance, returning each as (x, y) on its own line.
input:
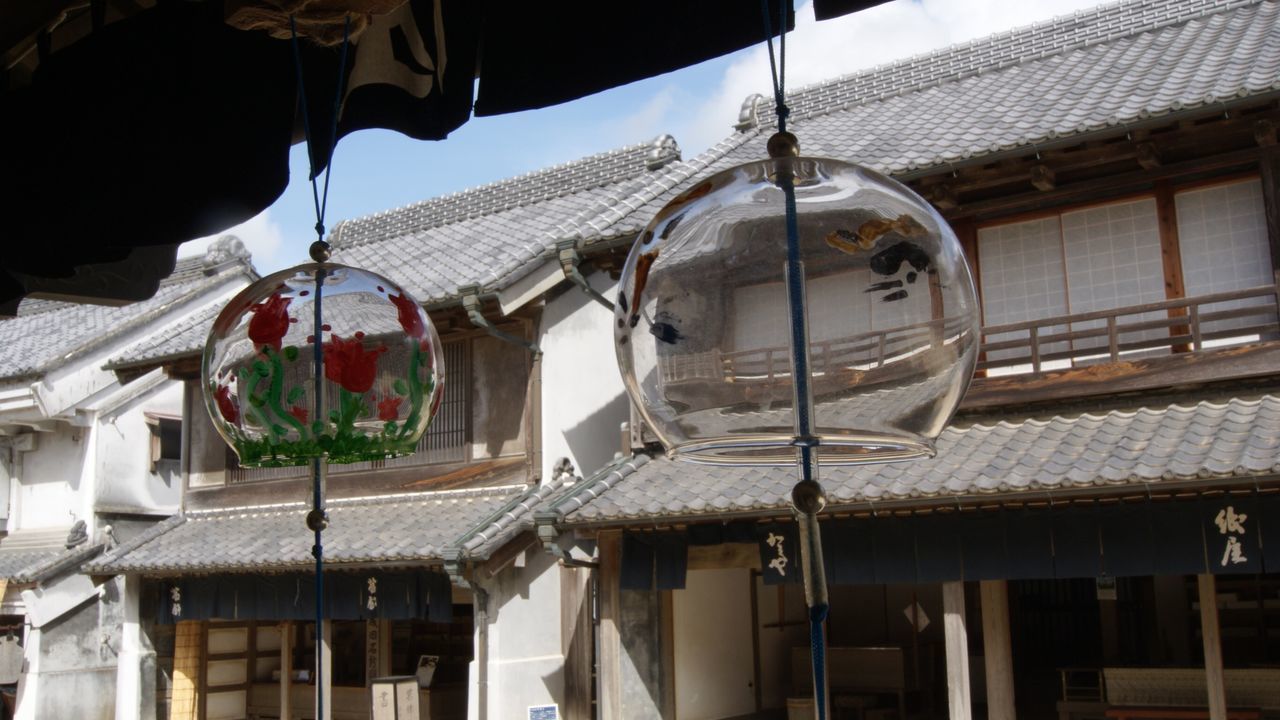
(702, 326)
(380, 360)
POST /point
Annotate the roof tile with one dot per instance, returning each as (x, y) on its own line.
(1065, 451)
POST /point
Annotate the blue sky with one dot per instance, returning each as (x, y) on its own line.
(376, 170)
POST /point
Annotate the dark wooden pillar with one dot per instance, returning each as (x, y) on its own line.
(576, 641)
(1269, 167)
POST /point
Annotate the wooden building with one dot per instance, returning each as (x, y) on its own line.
(1089, 539)
(1092, 538)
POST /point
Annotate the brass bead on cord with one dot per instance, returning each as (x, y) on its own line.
(319, 251)
(783, 145)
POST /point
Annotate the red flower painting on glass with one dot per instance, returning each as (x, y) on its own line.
(349, 364)
(270, 321)
(227, 404)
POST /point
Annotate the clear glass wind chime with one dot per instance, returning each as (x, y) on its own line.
(321, 364)
(797, 311)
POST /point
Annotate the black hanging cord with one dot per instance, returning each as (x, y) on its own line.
(316, 519)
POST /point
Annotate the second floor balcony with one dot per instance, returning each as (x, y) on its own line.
(1207, 338)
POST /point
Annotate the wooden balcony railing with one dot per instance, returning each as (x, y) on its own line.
(1130, 333)
(1024, 348)
(863, 352)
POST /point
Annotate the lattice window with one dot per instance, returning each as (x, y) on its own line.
(1222, 233)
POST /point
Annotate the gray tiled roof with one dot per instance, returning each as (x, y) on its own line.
(408, 528)
(515, 518)
(23, 554)
(1093, 70)
(493, 235)
(46, 333)
(1237, 439)
(58, 562)
(186, 337)
(14, 563)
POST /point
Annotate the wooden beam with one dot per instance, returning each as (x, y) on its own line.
(1264, 132)
(997, 648)
(1148, 155)
(957, 641)
(724, 555)
(609, 548)
(1043, 178)
(1206, 366)
(1097, 188)
(1211, 634)
(943, 196)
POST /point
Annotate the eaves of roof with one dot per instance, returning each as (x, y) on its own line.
(1166, 449)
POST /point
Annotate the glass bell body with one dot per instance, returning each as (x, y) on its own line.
(380, 361)
(703, 325)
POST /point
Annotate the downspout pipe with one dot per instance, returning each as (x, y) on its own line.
(570, 258)
(471, 304)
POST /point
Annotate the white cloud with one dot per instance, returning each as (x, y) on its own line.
(260, 234)
(649, 116)
(820, 51)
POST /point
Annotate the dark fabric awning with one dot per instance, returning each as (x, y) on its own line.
(1221, 534)
(123, 138)
(369, 595)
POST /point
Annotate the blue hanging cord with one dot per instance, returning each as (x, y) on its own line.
(800, 362)
(316, 519)
(320, 200)
(795, 300)
(818, 650)
(777, 68)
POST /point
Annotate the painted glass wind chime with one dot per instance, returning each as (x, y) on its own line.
(321, 364)
(797, 311)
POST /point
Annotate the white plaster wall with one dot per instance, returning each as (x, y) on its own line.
(203, 448)
(49, 479)
(526, 663)
(713, 652)
(583, 400)
(124, 478)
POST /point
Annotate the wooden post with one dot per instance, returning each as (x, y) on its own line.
(286, 670)
(609, 546)
(576, 641)
(373, 643)
(957, 651)
(384, 650)
(1269, 167)
(1171, 257)
(667, 641)
(997, 649)
(324, 650)
(1212, 646)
